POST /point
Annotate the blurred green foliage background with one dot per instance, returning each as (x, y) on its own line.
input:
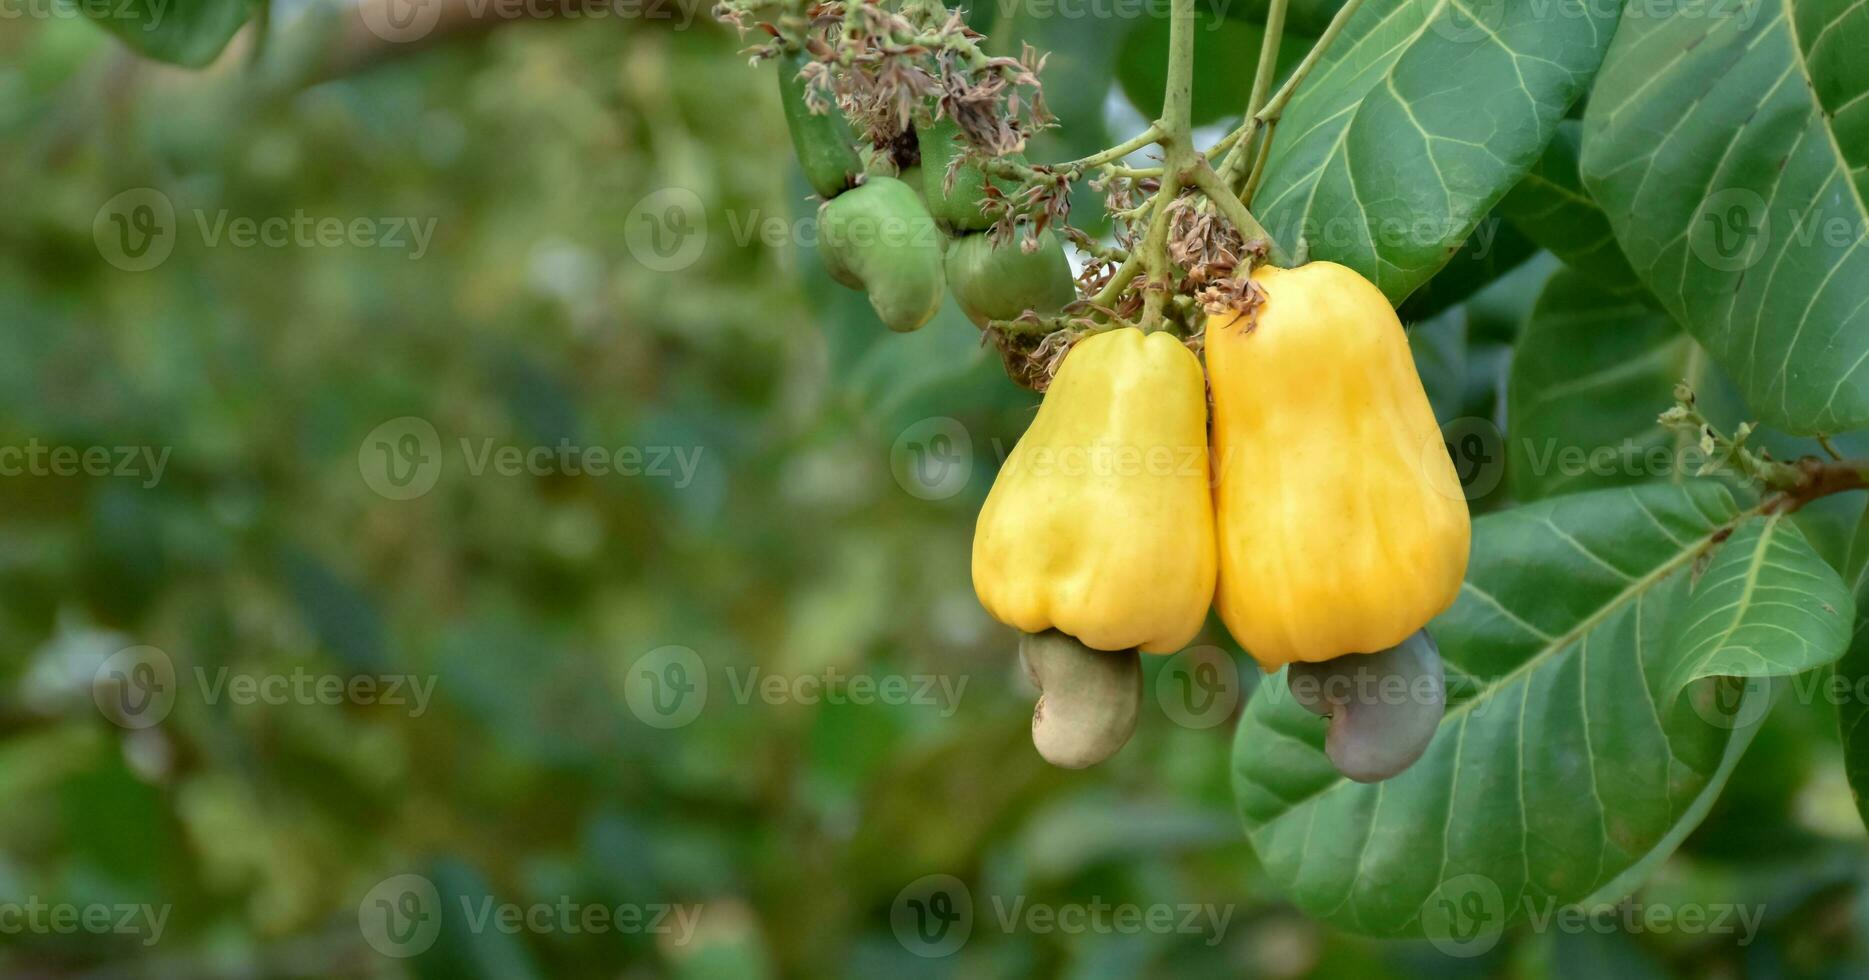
(791, 827)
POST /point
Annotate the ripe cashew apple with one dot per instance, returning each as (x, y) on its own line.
(1340, 523)
(1100, 524)
(879, 238)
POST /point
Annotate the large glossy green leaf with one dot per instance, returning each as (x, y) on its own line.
(1556, 772)
(1417, 122)
(1730, 148)
(1551, 207)
(1853, 672)
(1591, 372)
(190, 33)
(1768, 606)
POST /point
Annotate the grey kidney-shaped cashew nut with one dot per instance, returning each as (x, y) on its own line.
(1088, 700)
(1384, 707)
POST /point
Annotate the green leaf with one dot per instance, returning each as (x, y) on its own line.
(1551, 207)
(1592, 371)
(1853, 672)
(190, 33)
(1554, 771)
(1419, 119)
(1768, 606)
(1730, 155)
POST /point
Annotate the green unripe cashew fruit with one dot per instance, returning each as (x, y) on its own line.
(1000, 282)
(879, 238)
(1088, 700)
(957, 209)
(825, 150)
(1384, 707)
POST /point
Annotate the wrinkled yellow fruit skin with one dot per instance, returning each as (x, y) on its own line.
(1100, 523)
(1340, 522)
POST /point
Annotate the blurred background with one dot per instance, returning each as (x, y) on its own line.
(466, 534)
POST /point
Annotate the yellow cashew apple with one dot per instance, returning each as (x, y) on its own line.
(1100, 523)
(1340, 522)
